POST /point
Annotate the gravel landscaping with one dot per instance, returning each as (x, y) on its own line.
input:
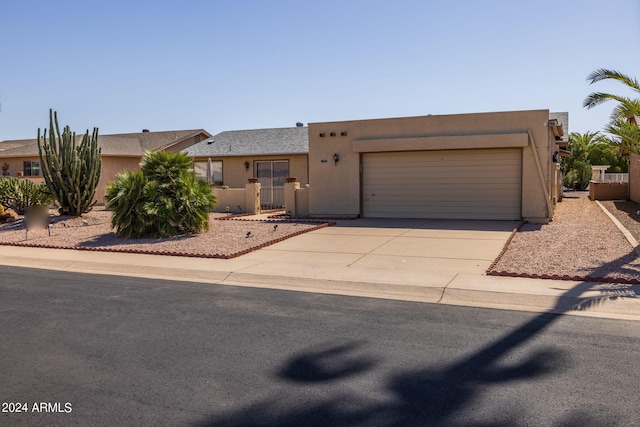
(581, 243)
(92, 231)
(626, 212)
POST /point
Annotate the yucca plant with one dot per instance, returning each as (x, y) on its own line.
(163, 199)
(19, 194)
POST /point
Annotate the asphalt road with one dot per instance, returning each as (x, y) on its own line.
(105, 350)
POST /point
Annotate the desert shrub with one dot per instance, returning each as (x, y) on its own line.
(7, 215)
(579, 176)
(18, 194)
(164, 198)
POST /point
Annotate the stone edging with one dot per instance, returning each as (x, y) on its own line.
(565, 277)
(504, 248)
(170, 253)
(621, 227)
(491, 272)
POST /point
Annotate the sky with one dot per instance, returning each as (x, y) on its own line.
(124, 66)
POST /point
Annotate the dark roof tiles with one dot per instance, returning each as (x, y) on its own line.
(277, 141)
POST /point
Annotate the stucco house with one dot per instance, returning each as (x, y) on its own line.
(489, 166)
(119, 152)
(231, 158)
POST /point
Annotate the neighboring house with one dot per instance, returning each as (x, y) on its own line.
(119, 152)
(493, 166)
(270, 155)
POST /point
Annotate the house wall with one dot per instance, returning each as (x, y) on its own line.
(234, 174)
(335, 187)
(16, 164)
(111, 166)
(634, 177)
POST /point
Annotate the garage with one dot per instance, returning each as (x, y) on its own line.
(481, 184)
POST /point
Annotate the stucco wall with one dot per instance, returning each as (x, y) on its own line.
(302, 202)
(335, 188)
(608, 190)
(232, 198)
(16, 164)
(234, 174)
(634, 177)
(111, 166)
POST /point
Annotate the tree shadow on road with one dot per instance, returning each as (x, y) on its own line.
(425, 397)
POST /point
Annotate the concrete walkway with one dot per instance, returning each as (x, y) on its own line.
(435, 261)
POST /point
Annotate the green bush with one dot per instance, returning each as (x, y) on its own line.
(578, 177)
(163, 199)
(18, 194)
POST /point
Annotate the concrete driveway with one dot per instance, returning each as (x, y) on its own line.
(406, 252)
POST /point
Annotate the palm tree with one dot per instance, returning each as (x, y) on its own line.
(625, 118)
(627, 108)
(625, 134)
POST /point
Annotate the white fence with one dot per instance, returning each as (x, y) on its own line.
(615, 177)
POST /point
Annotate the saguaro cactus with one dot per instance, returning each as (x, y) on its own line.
(71, 171)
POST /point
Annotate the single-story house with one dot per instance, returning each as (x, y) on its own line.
(231, 158)
(491, 166)
(119, 152)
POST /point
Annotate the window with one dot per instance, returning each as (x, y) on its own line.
(272, 176)
(210, 171)
(31, 168)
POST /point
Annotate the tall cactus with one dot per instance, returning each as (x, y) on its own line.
(71, 171)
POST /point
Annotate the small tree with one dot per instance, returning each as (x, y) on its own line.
(605, 154)
(163, 199)
(70, 171)
(579, 176)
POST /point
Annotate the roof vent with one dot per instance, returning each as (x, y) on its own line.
(299, 125)
(145, 130)
(209, 141)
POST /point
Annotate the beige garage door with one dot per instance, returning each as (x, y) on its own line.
(463, 184)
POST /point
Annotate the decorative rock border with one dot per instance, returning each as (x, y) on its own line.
(504, 248)
(312, 219)
(491, 272)
(566, 277)
(181, 254)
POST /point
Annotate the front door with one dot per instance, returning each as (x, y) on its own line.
(272, 176)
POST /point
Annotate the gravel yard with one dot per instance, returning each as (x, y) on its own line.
(581, 242)
(92, 231)
(626, 212)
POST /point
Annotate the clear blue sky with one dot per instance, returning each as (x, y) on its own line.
(226, 65)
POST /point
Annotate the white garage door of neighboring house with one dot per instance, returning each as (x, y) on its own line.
(461, 184)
